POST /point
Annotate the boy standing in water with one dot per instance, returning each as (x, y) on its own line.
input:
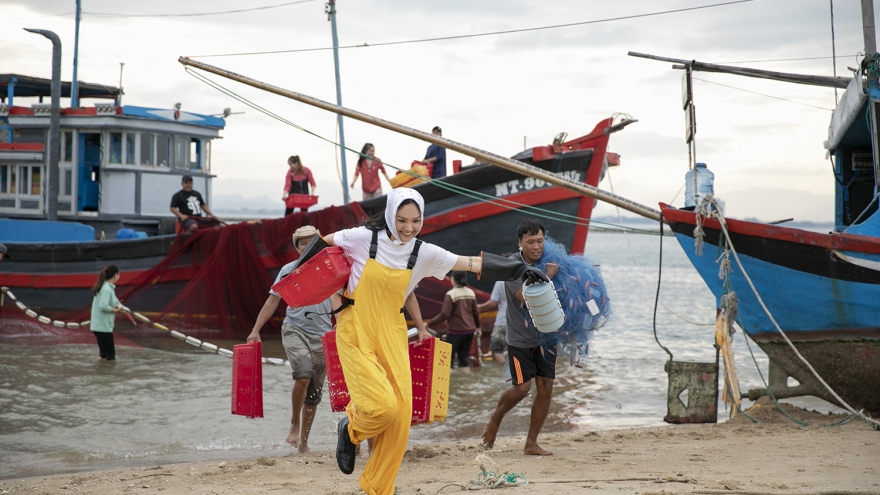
(459, 311)
(301, 337)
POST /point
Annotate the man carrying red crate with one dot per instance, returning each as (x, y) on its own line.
(301, 335)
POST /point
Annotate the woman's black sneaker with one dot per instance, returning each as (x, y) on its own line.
(346, 450)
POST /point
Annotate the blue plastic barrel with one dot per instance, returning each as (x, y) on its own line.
(139, 234)
(125, 234)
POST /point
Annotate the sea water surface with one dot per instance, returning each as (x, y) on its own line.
(61, 410)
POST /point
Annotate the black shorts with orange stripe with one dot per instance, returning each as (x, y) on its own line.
(528, 362)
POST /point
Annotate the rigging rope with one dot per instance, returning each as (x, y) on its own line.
(205, 346)
(642, 272)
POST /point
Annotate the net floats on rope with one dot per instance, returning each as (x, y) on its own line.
(161, 327)
(11, 295)
(140, 317)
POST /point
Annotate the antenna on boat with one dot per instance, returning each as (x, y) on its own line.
(74, 85)
(330, 10)
(119, 95)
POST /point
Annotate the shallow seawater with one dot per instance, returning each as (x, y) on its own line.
(61, 410)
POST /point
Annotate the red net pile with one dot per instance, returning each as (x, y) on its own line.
(219, 278)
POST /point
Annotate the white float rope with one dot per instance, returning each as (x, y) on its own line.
(710, 208)
(206, 346)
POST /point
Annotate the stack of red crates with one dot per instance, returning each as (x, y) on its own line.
(421, 358)
(247, 380)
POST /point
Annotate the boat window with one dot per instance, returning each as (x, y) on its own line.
(194, 148)
(180, 149)
(7, 184)
(129, 148)
(67, 140)
(115, 147)
(68, 182)
(22, 180)
(147, 149)
(35, 180)
(162, 150)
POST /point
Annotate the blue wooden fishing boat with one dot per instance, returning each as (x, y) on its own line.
(823, 290)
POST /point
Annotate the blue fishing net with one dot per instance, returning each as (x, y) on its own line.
(578, 282)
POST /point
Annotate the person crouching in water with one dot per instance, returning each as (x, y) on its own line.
(387, 261)
(105, 305)
(459, 311)
(301, 335)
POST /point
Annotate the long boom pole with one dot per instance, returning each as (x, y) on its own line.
(827, 81)
(482, 155)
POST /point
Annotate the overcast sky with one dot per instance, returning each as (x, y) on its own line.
(493, 92)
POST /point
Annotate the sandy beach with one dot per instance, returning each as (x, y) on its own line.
(738, 456)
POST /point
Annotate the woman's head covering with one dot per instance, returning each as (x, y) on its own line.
(394, 199)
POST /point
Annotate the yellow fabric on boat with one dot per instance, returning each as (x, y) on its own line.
(407, 180)
(725, 343)
(440, 380)
(372, 343)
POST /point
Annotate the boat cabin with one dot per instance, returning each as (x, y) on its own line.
(118, 165)
(853, 147)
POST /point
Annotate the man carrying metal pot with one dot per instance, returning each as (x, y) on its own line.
(527, 358)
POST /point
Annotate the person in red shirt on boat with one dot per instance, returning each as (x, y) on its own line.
(187, 205)
(297, 181)
(459, 311)
(368, 167)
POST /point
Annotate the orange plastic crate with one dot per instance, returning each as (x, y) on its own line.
(316, 280)
(247, 380)
(300, 200)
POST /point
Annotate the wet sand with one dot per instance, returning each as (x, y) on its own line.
(735, 457)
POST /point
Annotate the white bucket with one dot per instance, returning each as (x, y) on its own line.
(544, 306)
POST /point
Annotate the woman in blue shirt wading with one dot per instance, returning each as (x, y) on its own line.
(105, 305)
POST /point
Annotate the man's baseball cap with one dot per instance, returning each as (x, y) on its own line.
(4, 251)
(187, 178)
(305, 231)
(438, 129)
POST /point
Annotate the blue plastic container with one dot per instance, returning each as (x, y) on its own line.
(125, 234)
(138, 234)
(705, 185)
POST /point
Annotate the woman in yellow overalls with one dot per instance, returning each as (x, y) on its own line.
(387, 263)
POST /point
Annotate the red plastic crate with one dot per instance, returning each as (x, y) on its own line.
(335, 378)
(300, 200)
(247, 380)
(421, 362)
(316, 280)
(421, 358)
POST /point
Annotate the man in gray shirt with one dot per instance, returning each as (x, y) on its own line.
(527, 359)
(301, 335)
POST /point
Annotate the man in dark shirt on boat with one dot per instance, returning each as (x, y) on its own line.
(301, 335)
(436, 156)
(527, 358)
(188, 205)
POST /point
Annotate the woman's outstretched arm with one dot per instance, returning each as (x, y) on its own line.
(469, 264)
